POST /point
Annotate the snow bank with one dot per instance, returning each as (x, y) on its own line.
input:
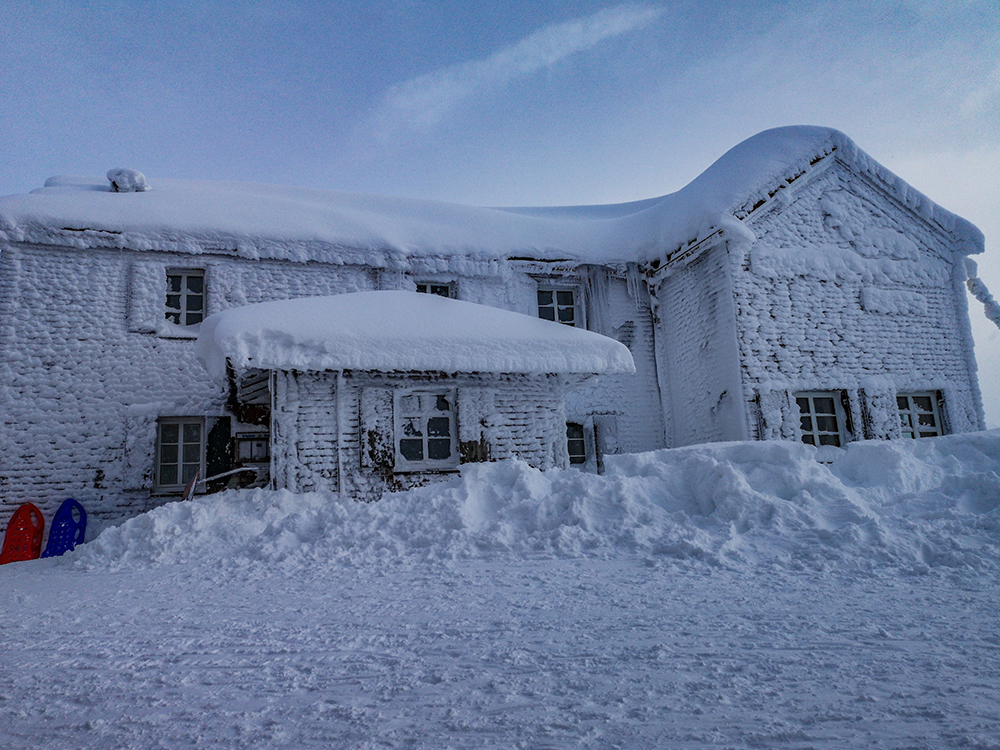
(301, 224)
(392, 330)
(919, 505)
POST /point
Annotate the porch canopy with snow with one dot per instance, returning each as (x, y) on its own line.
(382, 389)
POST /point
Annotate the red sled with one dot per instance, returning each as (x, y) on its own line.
(23, 540)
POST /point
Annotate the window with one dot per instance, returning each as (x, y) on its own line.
(185, 296)
(180, 452)
(576, 443)
(822, 418)
(919, 415)
(252, 447)
(434, 287)
(425, 431)
(558, 305)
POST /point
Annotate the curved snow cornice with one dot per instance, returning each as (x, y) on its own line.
(400, 331)
(255, 220)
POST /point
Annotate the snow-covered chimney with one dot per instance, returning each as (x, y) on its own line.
(127, 181)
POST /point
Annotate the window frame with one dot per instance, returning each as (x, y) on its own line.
(430, 284)
(554, 289)
(403, 464)
(581, 441)
(840, 415)
(183, 312)
(936, 412)
(176, 488)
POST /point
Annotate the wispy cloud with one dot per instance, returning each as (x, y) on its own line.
(422, 102)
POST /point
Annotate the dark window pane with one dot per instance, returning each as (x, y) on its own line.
(413, 427)
(412, 450)
(442, 404)
(192, 433)
(829, 440)
(566, 314)
(803, 405)
(544, 297)
(564, 298)
(926, 420)
(192, 453)
(826, 424)
(422, 288)
(438, 427)
(906, 420)
(809, 439)
(928, 434)
(902, 403)
(194, 302)
(174, 301)
(438, 449)
(192, 319)
(806, 423)
(168, 453)
(168, 474)
(196, 284)
(824, 405)
(574, 431)
(441, 290)
(188, 473)
(547, 313)
(173, 284)
(923, 403)
(169, 433)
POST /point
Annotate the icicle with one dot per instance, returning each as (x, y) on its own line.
(635, 285)
(596, 284)
(990, 306)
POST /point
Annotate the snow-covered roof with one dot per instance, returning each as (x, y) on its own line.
(254, 220)
(400, 331)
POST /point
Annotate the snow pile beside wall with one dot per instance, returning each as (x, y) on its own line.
(916, 504)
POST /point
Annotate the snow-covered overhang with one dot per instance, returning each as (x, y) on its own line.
(400, 331)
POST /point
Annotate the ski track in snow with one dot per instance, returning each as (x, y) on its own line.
(728, 596)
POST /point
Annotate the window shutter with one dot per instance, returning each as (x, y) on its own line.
(218, 456)
(377, 448)
(147, 288)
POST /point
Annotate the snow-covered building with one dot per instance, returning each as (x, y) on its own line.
(795, 290)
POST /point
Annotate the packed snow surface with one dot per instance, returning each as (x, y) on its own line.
(392, 330)
(297, 223)
(740, 595)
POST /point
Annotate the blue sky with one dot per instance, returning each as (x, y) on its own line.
(537, 102)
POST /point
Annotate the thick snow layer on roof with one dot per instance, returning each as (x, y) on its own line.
(300, 223)
(392, 330)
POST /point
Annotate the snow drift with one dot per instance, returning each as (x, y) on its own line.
(917, 504)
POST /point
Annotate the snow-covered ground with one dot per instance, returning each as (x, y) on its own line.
(732, 596)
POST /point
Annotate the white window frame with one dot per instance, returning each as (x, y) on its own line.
(185, 297)
(426, 286)
(820, 432)
(404, 411)
(581, 442)
(181, 482)
(556, 307)
(910, 411)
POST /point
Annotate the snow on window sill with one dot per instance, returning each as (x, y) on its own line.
(168, 330)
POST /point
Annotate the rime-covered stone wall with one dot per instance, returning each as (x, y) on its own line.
(846, 289)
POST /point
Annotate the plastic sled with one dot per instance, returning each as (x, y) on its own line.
(66, 531)
(23, 540)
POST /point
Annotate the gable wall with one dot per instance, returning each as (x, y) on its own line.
(844, 289)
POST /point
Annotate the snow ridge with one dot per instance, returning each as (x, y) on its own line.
(914, 505)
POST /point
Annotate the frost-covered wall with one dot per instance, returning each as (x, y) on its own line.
(336, 431)
(847, 289)
(698, 358)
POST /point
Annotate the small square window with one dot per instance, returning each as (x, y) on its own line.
(252, 448)
(180, 452)
(425, 431)
(919, 415)
(185, 299)
(557, 305)
(822, 420)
